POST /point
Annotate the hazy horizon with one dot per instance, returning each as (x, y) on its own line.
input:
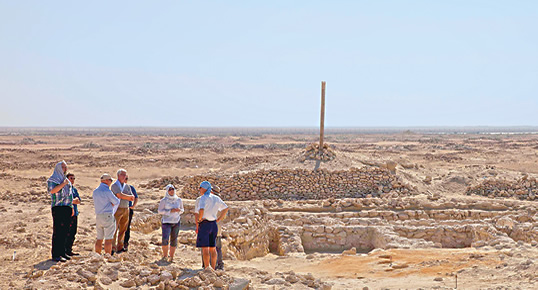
(256, 64)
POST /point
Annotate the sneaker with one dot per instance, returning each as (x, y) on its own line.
(59, 259)
(66, 257)
(73, 254)
(120, 251)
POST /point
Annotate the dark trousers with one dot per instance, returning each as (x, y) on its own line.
(61, 219)
(128, 232)
(71, 235)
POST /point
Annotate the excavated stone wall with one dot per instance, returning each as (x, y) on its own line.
(523, 189)
(256, 228)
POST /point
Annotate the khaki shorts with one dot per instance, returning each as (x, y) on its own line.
(105, 225)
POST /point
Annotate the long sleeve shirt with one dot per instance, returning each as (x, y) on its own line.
(165, 208)
(64, 197)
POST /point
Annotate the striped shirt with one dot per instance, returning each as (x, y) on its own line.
(64, 197)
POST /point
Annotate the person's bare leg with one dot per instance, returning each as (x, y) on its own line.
(165, 251)
(108, 247)
(205, 256)
(213, 252)
(98, 246)
(172, 251)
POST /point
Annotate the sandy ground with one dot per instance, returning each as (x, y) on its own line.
(453, 162)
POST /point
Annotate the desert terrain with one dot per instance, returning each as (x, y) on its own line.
(399, 210)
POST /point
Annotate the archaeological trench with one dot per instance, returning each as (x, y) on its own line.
(287, 211)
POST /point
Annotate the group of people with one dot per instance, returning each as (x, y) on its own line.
(114, 202)
(64, 201)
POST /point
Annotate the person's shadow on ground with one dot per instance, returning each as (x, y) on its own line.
(45, 265)
(162, 262)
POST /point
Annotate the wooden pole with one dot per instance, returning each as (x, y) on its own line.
(322, 118)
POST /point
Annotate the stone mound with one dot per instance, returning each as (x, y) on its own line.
(295, 184)
(312, 152)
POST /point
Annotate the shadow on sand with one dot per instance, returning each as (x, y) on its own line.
(45, 265)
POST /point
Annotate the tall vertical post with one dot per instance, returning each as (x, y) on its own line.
(322, 118)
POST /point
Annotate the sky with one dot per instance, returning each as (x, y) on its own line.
(261, 63)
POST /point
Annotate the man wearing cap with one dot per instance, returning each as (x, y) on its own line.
(105, 203)
(208, 210)
(122, 191)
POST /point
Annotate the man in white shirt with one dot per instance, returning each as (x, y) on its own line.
(208, 210)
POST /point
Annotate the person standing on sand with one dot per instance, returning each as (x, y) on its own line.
(218, 244)
(206, 208)
(105, 202)
(74, 219)
(132, 205)
(61, 194)
(123, 191)
(171, 207)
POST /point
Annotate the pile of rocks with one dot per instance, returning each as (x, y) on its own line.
(298, 184)
(291, 279)
(312, 152)
(524, 188)
(163, 181)
(127, 270)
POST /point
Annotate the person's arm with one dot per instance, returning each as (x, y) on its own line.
(76, 197)
(161, 209)
(133, 190)
(114, 200)
(125, 196)
(200, 216)
(196, 221)
(134, 203)
(222, 214)
(181, 209)
(59, 187)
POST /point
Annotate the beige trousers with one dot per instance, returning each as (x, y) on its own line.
(122, 220)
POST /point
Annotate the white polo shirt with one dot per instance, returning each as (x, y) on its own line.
(211, 204)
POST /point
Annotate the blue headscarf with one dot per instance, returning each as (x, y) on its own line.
(207, 186)
(58, 175)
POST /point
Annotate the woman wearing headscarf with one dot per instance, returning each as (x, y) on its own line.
(171, 207)
(61, 194)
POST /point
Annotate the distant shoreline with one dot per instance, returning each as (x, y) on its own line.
(487, 130)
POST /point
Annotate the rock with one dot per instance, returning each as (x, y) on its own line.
(154, 279)
(88, 275)
(505, 222)
(128, 283)
(275, 281)
(350, 252)
(218, 283)
(161, 286)
(106, 281)
(166, 276)
(399, 265)
(438, 279)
